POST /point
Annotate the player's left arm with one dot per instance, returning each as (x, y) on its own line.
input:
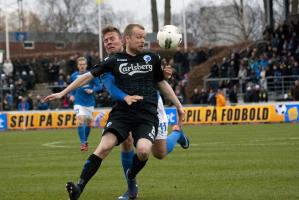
(166, 89)
(168, 92)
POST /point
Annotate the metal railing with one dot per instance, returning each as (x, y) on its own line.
(279, 86)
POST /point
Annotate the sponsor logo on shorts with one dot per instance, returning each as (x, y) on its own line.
(152, 133)
(109, 124)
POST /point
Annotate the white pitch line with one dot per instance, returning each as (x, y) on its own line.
(274, 139)
(55, 144)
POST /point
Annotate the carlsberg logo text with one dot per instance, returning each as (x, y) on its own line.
(124, 68)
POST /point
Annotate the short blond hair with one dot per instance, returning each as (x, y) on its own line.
(81, 59)
(129, 29)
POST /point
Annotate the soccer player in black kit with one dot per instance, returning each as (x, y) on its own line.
(138, 73)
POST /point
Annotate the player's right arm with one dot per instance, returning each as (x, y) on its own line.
(106, 66)
(80, 81)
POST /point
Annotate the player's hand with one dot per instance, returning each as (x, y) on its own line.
(88, 91)
(167, 71)
(132, 99)
(72, 98)
(53, 96)
(181, 114)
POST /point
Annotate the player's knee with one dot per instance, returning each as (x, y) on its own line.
(142, 156)
(143, 153)
(159, 154)
(82, 121)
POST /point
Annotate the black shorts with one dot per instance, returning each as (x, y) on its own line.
(141, 123)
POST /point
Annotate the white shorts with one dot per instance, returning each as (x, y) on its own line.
(163, 121)
(84, 111)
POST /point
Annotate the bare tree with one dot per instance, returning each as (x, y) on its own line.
(64, 15)
(32, 23)
(230, 23)
(154, 12)
(167, 12)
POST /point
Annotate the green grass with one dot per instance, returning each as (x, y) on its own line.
(224, 162)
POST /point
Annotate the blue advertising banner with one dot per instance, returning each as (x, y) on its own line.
(21, 36)
(291, 114)
(171, 115)
(3, 122)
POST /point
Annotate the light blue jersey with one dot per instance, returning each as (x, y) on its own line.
(81, 97)
(109, 83)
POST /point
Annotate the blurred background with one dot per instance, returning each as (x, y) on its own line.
(247, 51)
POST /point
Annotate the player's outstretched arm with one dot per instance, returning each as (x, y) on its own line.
(80, 81)
(168, 92)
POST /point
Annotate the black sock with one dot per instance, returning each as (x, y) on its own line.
(91, 166)
(137, 165)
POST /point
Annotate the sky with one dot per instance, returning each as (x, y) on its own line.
(137, 6)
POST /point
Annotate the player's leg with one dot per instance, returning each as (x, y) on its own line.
(143, 149)
(143, 133)
(173, 136)
(159, 148)
(88, 122)
(164, 144)
(127, 153)
(81, 131)
(115, 132)
(91, 166)
(84, 116)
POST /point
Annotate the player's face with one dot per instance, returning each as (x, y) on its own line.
(112, 42)
(82, 65)
(135, 42)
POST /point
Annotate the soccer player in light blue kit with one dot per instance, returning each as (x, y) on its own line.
(84, 102)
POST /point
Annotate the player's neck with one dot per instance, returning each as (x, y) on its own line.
(131, 52)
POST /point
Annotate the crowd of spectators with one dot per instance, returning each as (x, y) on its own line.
(20, 76)
(254, 72)
(273, 67)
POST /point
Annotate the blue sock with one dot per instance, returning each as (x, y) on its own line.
(87, 131)
(171, 140)
(127, 159)
(81, 133)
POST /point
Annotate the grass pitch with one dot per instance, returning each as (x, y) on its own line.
(231, 162)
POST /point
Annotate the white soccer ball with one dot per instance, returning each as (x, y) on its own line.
(169, 37)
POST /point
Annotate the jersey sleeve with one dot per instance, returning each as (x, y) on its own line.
(103, 67)
(109, 83)
(158, 73)
(97, 86)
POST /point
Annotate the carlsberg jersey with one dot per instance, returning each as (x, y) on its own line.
(135, 75)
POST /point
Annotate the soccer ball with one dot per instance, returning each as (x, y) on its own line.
(169, 37)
